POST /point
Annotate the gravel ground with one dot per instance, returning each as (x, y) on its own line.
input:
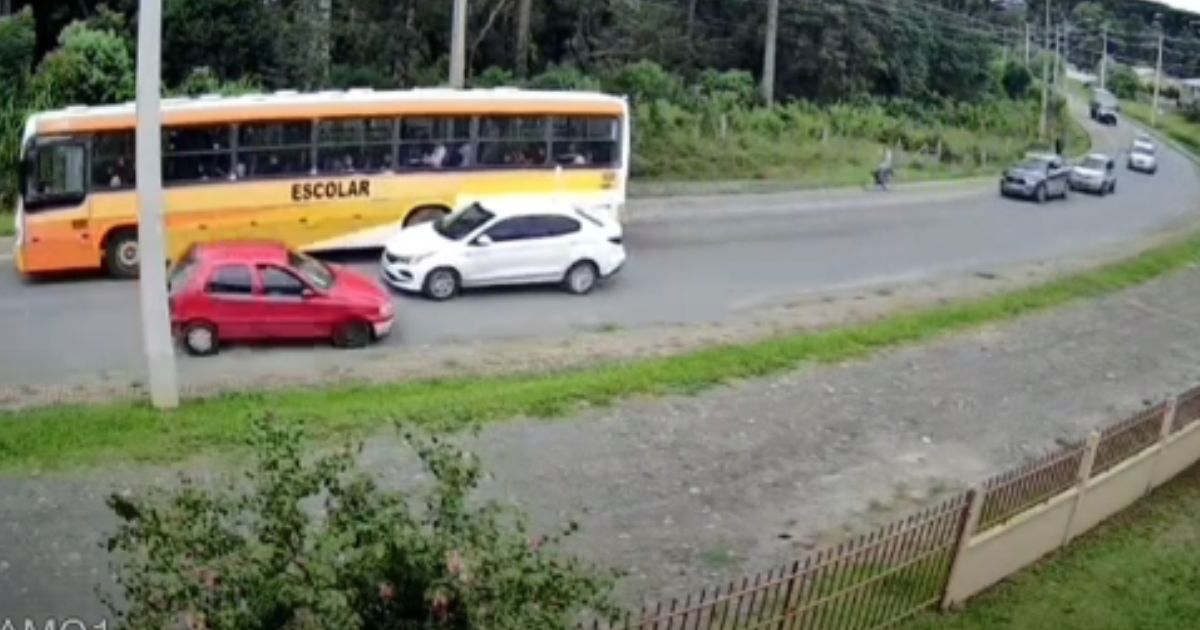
(682, 491)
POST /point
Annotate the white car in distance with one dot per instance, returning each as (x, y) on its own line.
(505, 241)
(1143, 156)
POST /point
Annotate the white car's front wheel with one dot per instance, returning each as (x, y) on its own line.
(441, 284)
(581, 278)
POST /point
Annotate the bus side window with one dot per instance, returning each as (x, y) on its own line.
(435, 142)
(354, 145)
(586, 141)
(112, 161)
(197, 154)
(513, 141)
(275, 149)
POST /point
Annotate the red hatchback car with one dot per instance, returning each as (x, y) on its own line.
(255, 291)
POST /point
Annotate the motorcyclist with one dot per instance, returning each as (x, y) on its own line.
(883, 172)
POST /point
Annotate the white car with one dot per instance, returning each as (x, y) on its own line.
(505, 241)
(1143, 156)
(1097, 173)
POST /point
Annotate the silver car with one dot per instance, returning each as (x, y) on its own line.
(1143, 156)
(1038, 177)
(1096, 173)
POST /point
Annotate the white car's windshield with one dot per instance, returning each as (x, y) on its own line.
(458, 225)
(1034, 164)
(1095, 164)
(1143, 149)
(313, 270)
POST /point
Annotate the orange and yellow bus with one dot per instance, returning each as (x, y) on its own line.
(321, 171)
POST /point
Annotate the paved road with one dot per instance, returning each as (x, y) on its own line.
(693, 260)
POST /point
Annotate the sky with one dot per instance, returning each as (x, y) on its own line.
(1184, 5)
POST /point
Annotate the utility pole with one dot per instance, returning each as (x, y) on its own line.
(1054, 59)
(1027, 44)
(458, 45)
(1157, 82)
(524, 17)
(152, 282)
(1104, 58)
(768, 76)
(1042, 126)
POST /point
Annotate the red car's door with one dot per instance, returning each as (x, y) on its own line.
(289, 308)
(229, 302)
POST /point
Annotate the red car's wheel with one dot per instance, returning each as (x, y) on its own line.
(355, 334)
(200, 339)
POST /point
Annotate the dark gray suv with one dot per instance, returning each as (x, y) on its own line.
(1038, 177)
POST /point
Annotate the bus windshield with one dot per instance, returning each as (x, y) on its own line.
(458, 225)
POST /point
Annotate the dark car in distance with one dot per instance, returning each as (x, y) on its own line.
(1038, 177)
(1103, 107)
(262, 291)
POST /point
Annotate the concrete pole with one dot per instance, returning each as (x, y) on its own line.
(1042, 126)
(1157, 82)
(458, 45)
(152, 283)
(1027, 44)
(1104, 59)
(524, 17)
(768, 76)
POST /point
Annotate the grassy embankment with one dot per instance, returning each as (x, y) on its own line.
(1171, 124)
(1139, 570)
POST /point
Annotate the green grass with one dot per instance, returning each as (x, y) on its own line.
(1175, 127)
(7, 226)
(1139, 570)
(65, 436)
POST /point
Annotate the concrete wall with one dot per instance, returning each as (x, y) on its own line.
(1004, 550)
(991, 556)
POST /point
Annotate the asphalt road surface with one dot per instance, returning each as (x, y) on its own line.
(692, 260)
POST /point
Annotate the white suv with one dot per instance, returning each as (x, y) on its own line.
(505, 241)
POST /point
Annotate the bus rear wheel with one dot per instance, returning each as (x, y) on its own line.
(121, 254)
(425, 214)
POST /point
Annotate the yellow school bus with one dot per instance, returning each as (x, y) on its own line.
(320, 171)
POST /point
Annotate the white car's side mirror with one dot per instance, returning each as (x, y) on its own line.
(484, 240)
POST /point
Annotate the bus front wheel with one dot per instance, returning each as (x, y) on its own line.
(122, 253)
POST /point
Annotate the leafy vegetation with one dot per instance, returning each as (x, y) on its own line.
(72, 435)
(259, 557)
(1137, 570)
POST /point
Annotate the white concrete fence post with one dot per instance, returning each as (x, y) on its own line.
(969, 528)
(1081, 481)
(1164, 434)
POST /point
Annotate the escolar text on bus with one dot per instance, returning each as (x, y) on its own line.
(331, 190)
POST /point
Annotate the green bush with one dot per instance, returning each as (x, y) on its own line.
(1016, 80)
(644, 81)
(204, 81)
(563, 78)
(315, 544)
(1124, 82)
(89, 67)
